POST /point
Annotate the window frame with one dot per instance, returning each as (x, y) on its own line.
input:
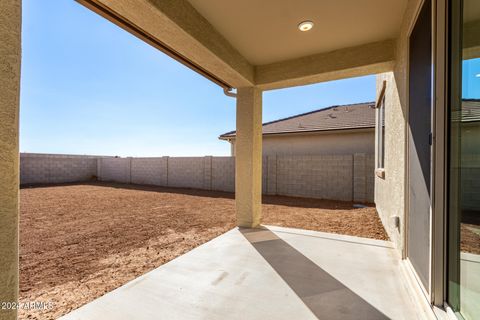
(380, 133)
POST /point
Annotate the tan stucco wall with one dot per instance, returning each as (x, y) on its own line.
(10, 24)
(390, 191)
(248, 162)
(320, 143)
(370, 58)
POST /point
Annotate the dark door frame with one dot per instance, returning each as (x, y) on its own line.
(427, 290)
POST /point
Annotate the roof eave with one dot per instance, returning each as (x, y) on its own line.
(302, 132)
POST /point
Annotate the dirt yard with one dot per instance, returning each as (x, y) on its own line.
(78, 242)
(470, 238)
(470, 232)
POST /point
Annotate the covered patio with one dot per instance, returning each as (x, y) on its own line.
(255, 271)
(269, 273)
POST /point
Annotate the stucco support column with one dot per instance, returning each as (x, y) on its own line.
(248, 157)
(10, 23)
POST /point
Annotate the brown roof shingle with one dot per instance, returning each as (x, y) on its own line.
(470, 111)
(351, 116)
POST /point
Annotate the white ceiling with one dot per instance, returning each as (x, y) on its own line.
(265, 31)
(471, 10)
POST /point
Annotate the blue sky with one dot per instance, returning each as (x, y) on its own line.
(471, 79)
(89, 87)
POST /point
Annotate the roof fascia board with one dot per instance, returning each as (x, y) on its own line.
(309, 133)
(177, 29)
(356, 61)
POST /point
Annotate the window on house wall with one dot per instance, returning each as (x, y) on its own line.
(380, 132)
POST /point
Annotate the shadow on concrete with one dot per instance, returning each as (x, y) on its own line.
(379, 244)
(324, 295)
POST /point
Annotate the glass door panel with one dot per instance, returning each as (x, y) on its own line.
(464, 151)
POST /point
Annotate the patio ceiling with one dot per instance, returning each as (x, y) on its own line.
(472, 30)
(472, 11)
(248, 42)
(266, 31)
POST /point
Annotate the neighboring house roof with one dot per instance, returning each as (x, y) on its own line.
(351, 116)
(470, 111)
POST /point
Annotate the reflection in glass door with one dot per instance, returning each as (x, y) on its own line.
(464, 159)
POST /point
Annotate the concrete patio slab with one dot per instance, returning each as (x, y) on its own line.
(470, 284)
(270, 273)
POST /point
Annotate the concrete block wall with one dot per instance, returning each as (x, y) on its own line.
(186, 172)
(264, 175)
(270, 171)
(115, 169)
(316, 176)
(207, 173)
(223, 174)
(335, 177)
(151, 171)
(470, 182)
(363, 179)
(54, 168)
(369, 173)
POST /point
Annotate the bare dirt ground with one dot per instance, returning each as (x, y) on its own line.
(470, 238)
(78, 242)
(470, 231)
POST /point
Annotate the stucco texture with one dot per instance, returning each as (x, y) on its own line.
(10, 25)
(390, 191)
(248, 162)
(360, 141)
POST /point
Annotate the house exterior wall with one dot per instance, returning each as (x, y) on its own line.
(470, 180)
(471, 138)
(339, 142)
(470, 165)
(10, 58)
(390, 190)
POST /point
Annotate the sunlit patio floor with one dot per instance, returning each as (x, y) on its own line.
(269, 273)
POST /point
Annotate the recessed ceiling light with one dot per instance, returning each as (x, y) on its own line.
(305, 25)
(477, 75)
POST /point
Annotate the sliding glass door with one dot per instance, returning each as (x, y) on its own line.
(464, 160)
(419, 144)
